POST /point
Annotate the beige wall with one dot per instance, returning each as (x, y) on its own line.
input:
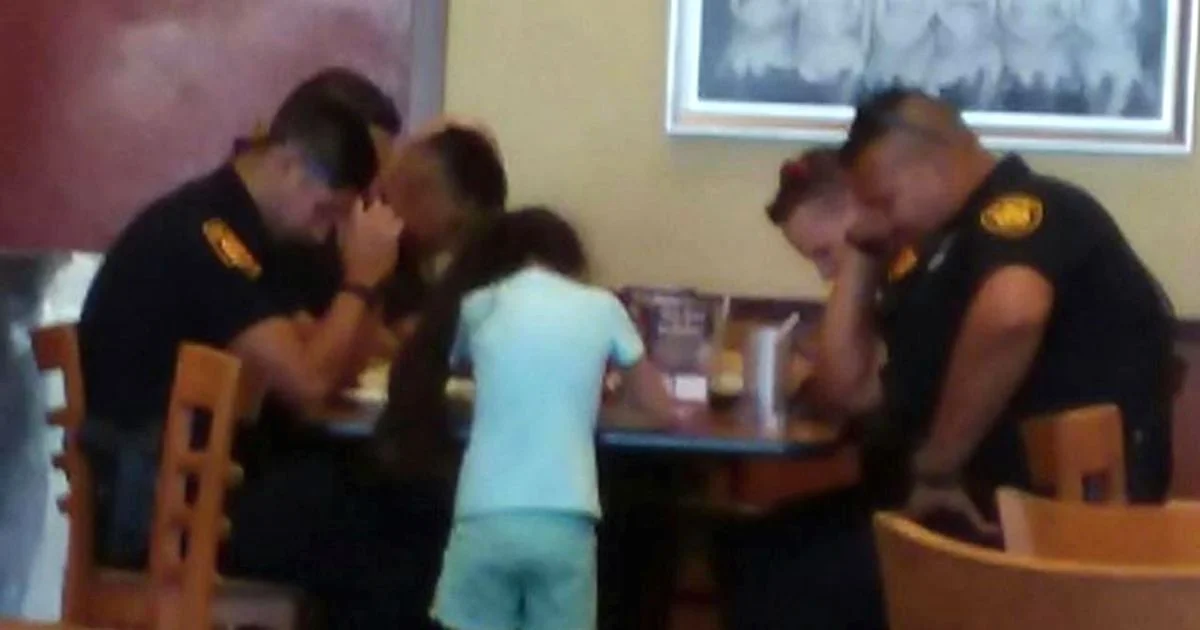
(575, 91)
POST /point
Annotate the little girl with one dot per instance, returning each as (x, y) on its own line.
(522, 552)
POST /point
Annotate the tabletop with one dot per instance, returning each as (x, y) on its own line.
(741, 430)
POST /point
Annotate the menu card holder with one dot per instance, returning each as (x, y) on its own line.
(677, 326)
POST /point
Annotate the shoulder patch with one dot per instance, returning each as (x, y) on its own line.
(902, 264)
(1013, 216)
(230, 249)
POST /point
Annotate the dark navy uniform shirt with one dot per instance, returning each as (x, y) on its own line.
(1108, 338)
(170, 278)
(195, 266)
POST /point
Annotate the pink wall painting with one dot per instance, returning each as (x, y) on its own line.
(105, 104)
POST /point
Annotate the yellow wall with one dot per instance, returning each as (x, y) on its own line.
(575, 91)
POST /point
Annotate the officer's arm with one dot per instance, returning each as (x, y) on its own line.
(374, 340)
(305, 371)
(993, 353)
(845, 375)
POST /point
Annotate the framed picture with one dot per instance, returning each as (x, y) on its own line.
(1096, 76)
(117, 102)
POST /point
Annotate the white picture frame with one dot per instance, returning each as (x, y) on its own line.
(1085, 76)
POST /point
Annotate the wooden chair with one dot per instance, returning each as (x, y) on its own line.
(935, 583)
(1148, 535)
(182, 590)
(1078, 454)
(57, 349)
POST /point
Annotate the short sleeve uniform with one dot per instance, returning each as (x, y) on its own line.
(195, 266)
(539, 344)
(1108, 338)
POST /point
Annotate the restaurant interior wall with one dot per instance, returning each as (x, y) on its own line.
(576, 90)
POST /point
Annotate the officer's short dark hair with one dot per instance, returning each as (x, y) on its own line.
(472, 166)
(349, 89)
(806, 176)
(335, 138)
(883, 113)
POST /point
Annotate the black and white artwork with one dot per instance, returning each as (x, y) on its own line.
(1091, 75)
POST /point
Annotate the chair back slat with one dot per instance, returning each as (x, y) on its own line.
(210, 393)
(934, 583)
(56, 349)
(1120, 534)
(1078, 454)
(194, 474)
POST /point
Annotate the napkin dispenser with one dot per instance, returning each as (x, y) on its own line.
(677, 326)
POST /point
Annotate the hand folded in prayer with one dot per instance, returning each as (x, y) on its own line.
(948, 505)
(369, 243)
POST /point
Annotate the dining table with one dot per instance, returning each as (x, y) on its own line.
(743, 429)
(654, 477)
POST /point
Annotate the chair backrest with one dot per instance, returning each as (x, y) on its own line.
(934, 583)
(1078, 454)
(196, 469)
(56, 349)
(1166, 535)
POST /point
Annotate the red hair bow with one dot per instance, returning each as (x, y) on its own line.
(795, 169)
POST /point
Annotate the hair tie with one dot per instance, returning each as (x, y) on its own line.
(795, 169)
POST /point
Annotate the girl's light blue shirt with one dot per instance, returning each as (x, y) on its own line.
(539, 344)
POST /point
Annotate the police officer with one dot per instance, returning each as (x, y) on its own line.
(382, 535)
(987, 293)
(200, 265)
(1007, 294)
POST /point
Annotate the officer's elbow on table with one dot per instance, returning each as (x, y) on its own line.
(273, 349)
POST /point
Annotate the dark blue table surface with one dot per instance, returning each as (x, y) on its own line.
(736, 432)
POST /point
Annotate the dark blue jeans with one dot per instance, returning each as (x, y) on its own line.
(125, 469)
